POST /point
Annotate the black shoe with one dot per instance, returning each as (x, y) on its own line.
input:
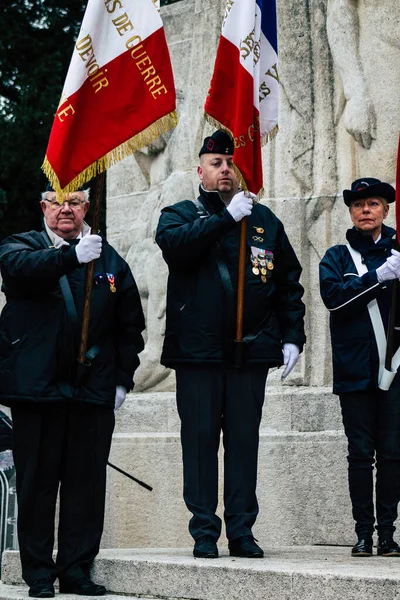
(245, 547)
(363, 547)
(388, 548)
(42, 588)
(82, 587)
(205, 547)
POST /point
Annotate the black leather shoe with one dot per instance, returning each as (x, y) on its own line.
(42, 588)
(363, 547)
(205, 547)
(245, 547)
(388, 548)
(82, 587)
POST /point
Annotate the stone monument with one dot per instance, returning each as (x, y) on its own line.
(339, 119)
(364, 37)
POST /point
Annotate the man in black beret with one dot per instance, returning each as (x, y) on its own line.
(200, 243)
(356, 286)
(63, 425)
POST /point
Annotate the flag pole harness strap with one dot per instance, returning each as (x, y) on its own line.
(227, 283)
(385, 377)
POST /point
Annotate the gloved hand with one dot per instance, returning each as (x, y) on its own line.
(241, 205)
(120, 395)
(89, 248)
(390, 269)
(291, 354)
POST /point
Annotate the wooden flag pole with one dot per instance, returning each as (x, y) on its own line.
(97, 194)
(395, 284)
(238, 358)
(392, 322)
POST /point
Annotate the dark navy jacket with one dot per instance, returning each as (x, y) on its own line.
(200, 326)
(38, 341)
(346, 295)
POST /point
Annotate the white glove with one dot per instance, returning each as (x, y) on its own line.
(120, 395)
(89, 248)
(291, 354)
(241, 205)
(390, 269)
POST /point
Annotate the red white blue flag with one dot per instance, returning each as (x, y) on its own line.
(119, 94)
(244, 92)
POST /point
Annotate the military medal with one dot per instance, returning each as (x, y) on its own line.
(111, 280)
(262, 261)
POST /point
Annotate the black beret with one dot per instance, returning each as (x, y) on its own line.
(219, 142)
(368, 187)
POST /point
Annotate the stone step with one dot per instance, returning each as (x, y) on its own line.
(286, 408)
(302, 491)
(19, 592)
(286, 573)
(302, 482)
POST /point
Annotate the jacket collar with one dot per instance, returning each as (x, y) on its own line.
(211, 200)
(59, 241)
(358, 240)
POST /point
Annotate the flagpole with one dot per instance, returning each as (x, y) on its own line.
(98, 188)
(392, 321)
(238, 358)
(395, 284)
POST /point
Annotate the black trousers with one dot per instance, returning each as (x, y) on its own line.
(211, 401)
(372, 426)
(60, 447)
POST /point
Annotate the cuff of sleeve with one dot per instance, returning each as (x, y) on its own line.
(125, 380)
(227, 215)
(70, 256)
(369, 278)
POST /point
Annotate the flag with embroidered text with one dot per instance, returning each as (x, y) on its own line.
(118, 96)
(244, 91)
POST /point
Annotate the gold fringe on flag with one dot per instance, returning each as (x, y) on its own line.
(217, 124)
(268, 137)
(144, 138)
(264, 140)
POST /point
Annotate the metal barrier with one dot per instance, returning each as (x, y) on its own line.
(8, 503)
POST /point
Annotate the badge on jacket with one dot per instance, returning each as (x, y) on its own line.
(262, 262)
(111, 280)
(258, 238)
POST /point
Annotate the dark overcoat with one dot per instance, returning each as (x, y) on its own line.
(202, 251)
(39, 339)
(354, 350)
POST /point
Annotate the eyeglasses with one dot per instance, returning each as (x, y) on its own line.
(72, 203)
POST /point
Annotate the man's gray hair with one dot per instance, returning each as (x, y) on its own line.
(86, 194)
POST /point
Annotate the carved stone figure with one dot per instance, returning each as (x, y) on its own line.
(364, 37)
